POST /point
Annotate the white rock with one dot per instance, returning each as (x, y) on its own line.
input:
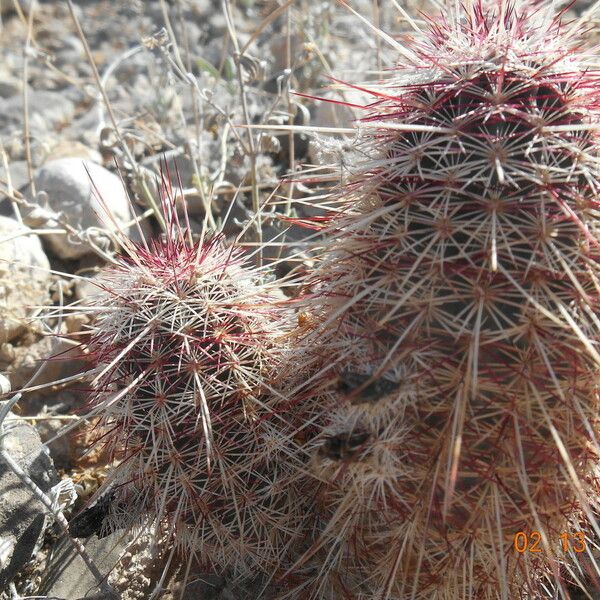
(24, 276)
(64, 148)
(4, 385)
(84, 193)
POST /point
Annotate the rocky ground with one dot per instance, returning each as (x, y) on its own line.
(107, 92)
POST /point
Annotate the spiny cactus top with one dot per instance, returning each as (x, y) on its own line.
(461, 291)
(188, 343)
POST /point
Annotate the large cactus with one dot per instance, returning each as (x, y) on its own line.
(458, 295)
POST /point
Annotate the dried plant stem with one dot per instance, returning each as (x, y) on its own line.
(148, 196)
(291, 110)
(206, 198)
(9, 186)
(226, 5)
(26, 51)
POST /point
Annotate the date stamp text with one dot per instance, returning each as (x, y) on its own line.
(532, 542)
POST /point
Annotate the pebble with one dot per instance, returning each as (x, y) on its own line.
(85, 287)
(48, 111)
(61, 358)
(19, 176)
(67, 576)
(82, 191)
(9, 86)
(7, 7)
(332, 112)
(5, 386)
(24, 276)
(66, 148)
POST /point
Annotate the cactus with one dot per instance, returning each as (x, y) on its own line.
(187, 341)
(457, 295)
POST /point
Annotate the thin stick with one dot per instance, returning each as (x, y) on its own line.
(149, 197)
(9, 184)
(291, 137)
(251, 144)
(26, 50)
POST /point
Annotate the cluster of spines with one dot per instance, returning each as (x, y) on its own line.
(459, 290)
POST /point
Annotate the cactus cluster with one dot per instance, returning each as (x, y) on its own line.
(440, 394)
(463, 272)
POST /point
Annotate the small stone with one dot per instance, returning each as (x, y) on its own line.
(217, 23)
(59, 445)
(10, 86)
(4, 385)
(7, 7)
(332, 112)
(22, 515)
(73, 149)
(85, 287)
(82, 192)
(7, 352)
(47, 111)
(76, 323)
(60, 358)
(67, 576)
(24, 276)
(17, 169)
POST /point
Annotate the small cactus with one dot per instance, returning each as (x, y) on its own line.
(458, 294)
(188, 343)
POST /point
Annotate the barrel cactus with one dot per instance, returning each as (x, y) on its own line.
(458, 299)
(187, 342)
